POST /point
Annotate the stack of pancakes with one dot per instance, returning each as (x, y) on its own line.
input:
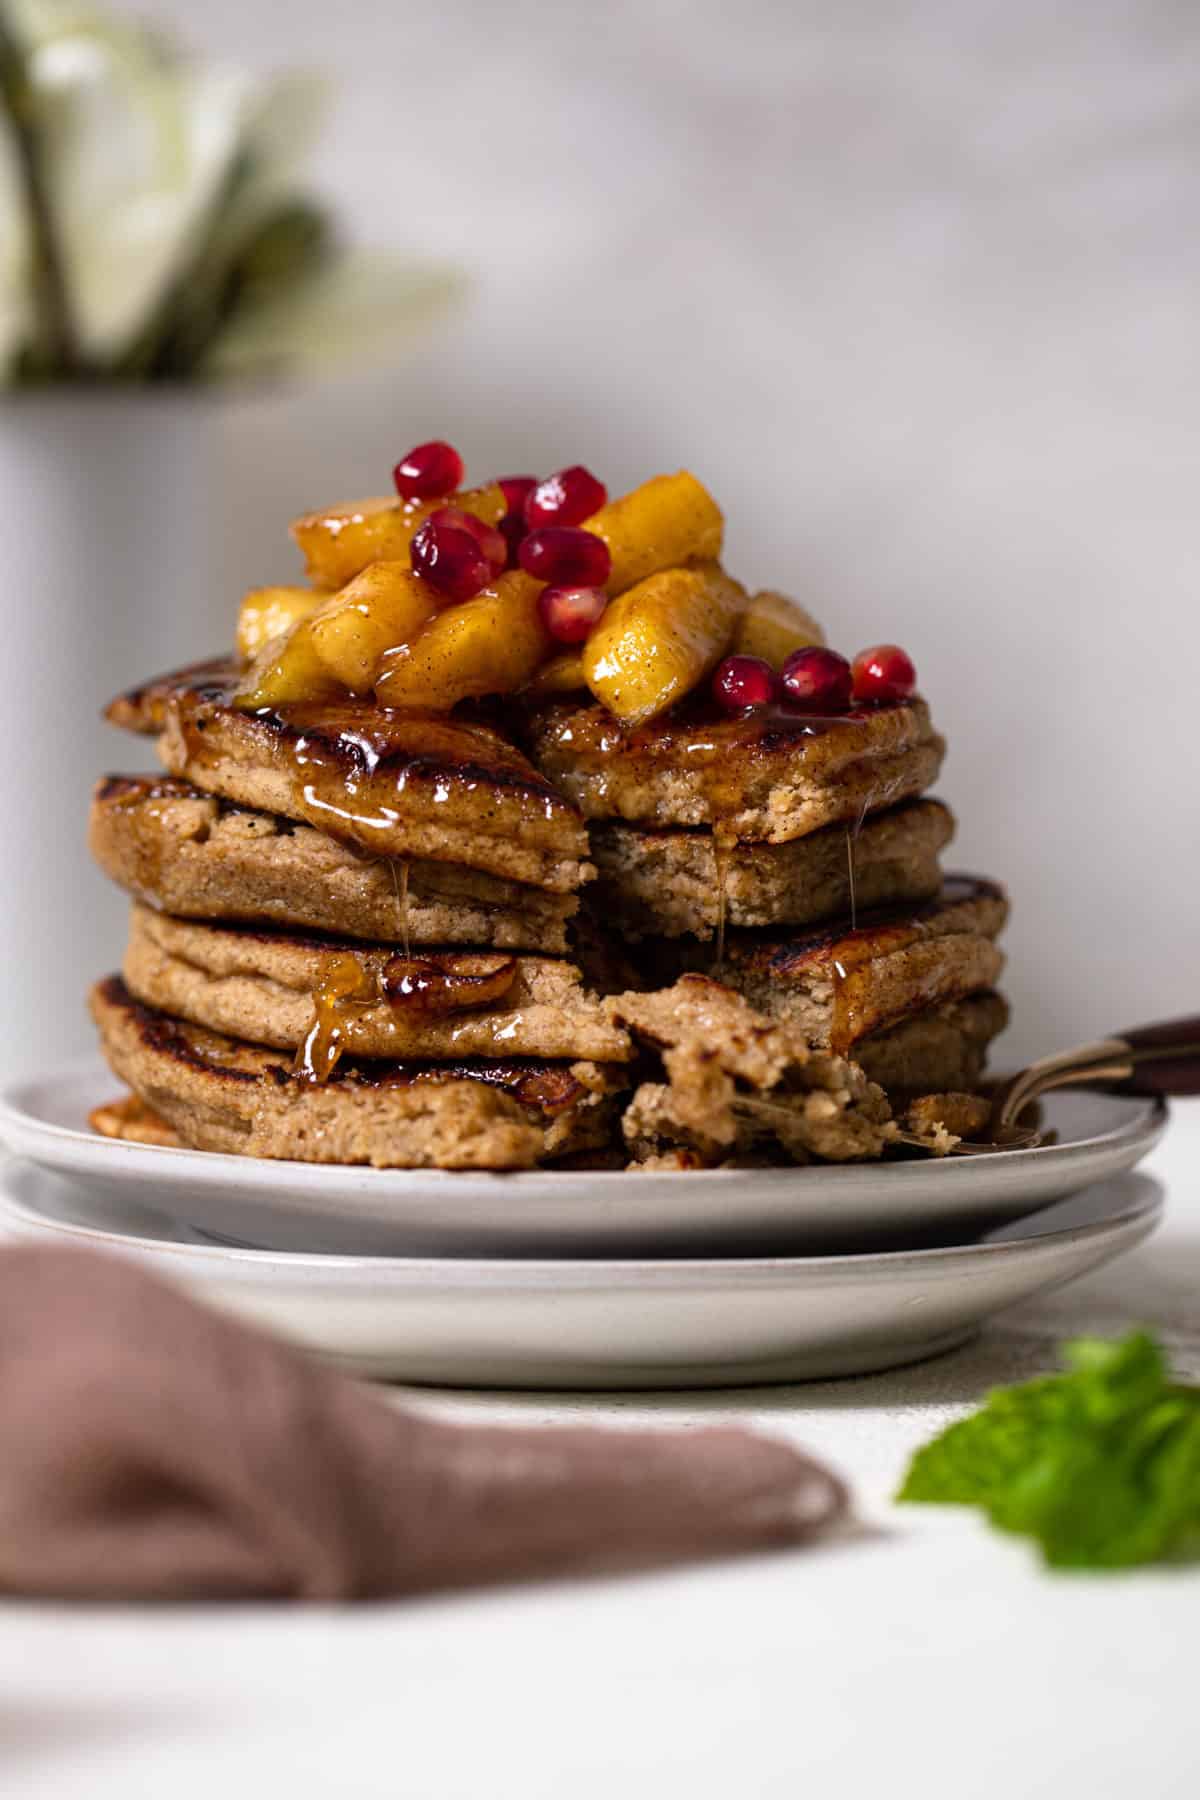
(432, 880)
(357, 935)
(352, 939)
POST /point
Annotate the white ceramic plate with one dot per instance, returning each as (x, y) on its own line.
(630, 1323)
(356, 1211)
(626, 1323)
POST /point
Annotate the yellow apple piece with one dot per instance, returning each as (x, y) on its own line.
(563, 674)
(339, 541)
(658, 639)
(385, 605)
(669, 523)
(287, 672)
(489, 645)
(267, 611)
(772, 626)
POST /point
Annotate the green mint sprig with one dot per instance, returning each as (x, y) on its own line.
(1100, 1465)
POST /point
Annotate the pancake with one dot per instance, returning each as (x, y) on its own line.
(131, 1120)
(185, 852)
(444, 1005)
(841, 982)
(423, 785)
(669, 882)
(942, 1049)
(770, 776)
(945, 1119)
(215, 1093)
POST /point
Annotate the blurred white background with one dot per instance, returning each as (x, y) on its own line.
(913, 287)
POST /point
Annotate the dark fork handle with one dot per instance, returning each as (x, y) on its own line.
(1166, 1058)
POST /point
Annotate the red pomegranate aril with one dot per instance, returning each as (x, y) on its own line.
(490, 538)
(516, 490)
(450, 560)
(883, 673)
(512, 527)
(816, 680)
(568, 613)
(566, 557)
(428, 470)
(742, 681)
(567, 498)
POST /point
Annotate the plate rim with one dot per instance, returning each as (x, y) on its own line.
(1144, 1204)
(20, 1124)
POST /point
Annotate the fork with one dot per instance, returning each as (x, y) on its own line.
(1160, 1059)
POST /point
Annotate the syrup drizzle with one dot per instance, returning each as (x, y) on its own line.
(877, 800)
(399, 873)
(344, 987)
(449, 983)
(434, 986)
(723, 853)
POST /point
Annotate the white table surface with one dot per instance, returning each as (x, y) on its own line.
(921, 1654)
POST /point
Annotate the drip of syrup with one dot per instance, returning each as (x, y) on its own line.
(400, 882)
(876, 800)
(346, 984)
(723, 851)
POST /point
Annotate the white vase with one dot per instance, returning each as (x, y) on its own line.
(115, 567)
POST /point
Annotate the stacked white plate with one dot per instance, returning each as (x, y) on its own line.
(593, 1280)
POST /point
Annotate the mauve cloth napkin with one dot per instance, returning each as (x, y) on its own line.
(153, 1448)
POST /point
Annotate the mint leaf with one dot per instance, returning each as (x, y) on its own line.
(1100, 1465)
(974, 1461)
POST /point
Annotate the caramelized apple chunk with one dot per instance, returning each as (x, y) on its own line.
(287, 672)
(772, 626)
(339, 541)
(668, 523)
(658, 639)
(563, 674)
(266, 612)
(489, 645)
(385, 605)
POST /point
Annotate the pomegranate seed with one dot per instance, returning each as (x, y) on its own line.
(567, 498)
(429, 470)
(516, 490)
(512, 527)
(565, 556)
(490, 538)
(568, 613)
(450, 560)
(742, 681)
(816, 680)
(884, 673)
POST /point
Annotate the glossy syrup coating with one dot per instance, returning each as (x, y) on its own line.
(769, 775)
(391, 783)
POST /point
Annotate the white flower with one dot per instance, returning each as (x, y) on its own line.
(151, 162)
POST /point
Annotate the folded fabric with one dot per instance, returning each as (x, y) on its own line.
(151, 1447)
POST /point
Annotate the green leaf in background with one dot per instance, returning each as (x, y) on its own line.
(1100, 1465)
